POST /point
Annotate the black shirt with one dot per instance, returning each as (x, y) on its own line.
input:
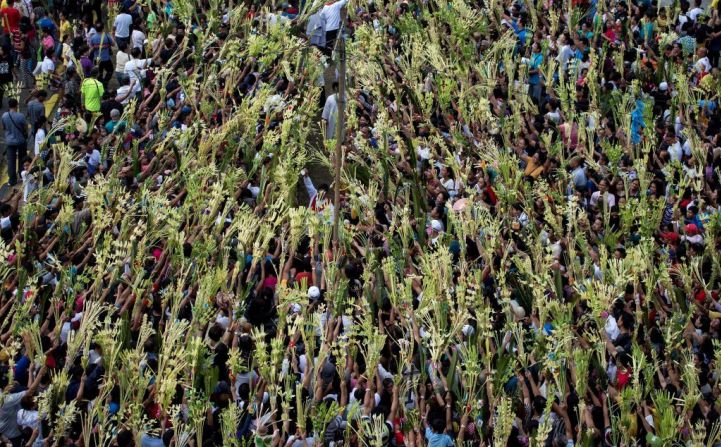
(108, 105)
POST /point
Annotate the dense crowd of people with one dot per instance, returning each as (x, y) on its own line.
(528, 230)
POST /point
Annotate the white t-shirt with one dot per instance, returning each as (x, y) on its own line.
(27, 418)
(39, 139)
(703, 64)
(121, 58)
(450, 186)
(122, 91)
(45, 67)
(135, 69)
(610, 198)
(331, 14)
(94, 158)
(137, 38)
(122, 25)
(694, 13)
(675, 151)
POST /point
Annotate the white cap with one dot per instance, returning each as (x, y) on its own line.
(437, 225)
(468, 330)
(294, 308)
(313, 292)
(663, 86)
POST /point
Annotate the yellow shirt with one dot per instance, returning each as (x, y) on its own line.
(92, 91)
(66, 29)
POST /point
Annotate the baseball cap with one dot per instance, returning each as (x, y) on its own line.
(437, 225)
(313, 292)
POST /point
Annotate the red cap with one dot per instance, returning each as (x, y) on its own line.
(670, 236)
(691, 229)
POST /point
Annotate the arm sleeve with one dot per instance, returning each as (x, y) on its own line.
(12, 399)
(309, 187)
(326, 110)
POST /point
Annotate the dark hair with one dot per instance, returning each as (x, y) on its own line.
(438, 425)
(215, 332)
(125, 439)
(12, 102)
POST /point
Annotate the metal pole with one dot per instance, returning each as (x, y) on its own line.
(340, 129)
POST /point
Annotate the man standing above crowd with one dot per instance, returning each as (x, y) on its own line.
(102, 43)
(330, 14)
(10, 17)
(15, 139)
(122, 27)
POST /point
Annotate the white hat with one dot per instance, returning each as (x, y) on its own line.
(663, 86)
(294, 308)
(468, 330)
(437, 225)
(313, 292)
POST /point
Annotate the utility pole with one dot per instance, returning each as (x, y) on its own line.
(340, 129)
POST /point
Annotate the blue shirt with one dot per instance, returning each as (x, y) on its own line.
(522, 36)
(15, 128)
(535, 64)
(101, 43)
(47, 23)
(438, 439)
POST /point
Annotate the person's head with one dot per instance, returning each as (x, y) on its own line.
(94, 72)
(123, 46)
(12, 103)
(27, 402)
(135, 52)
(323, 190)
(125, 438)
(438, 425)
(215, 332)
(115, 114)
(99, 27)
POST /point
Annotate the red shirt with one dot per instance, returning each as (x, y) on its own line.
(11, 19)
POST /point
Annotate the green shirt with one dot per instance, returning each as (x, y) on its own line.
(92, 91)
